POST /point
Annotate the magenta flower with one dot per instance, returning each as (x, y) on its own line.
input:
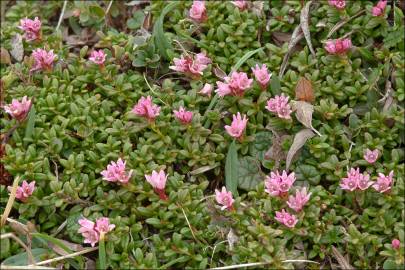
(43, 59)
(98, 57)
(192, 67)
(384, 183)
(286, 218)
(371, 156)
(280, 106)
(236, 84)
(115, 172)
(25, 191)
(278, 185)
(146, 108)
(18, 109)
(198, 12)
(103, 225)
(396, 244)
(262, 75)
(237, 126)
(91, 232)
(206, 90)
(202, 58)
(225, 198)
(241, 4)
(185, 117)
(338, 46)
(158, 182)
(301, 198)
(379, 9)
(355, 180)
(31, 28)
(339, 4)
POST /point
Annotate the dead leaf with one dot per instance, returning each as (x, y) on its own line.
(299, 140)
(257, 8)
(147, 21)
(4, 56)
(343, 263)
(303, 113)
(17, 50)
(18, 227)
(304, 18)
(304, 90)
(219, 72)
(297, 35)
(72, 246)
(280, 37)
(232, 239)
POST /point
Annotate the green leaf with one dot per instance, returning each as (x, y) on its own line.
(101, 254)
(275, 85)
(31, 123)
(391, 265)
(244, 58)
(308, 173)
(53, 240)
(249, 173)
(97, 11)
(22, 258)
(231, 169)
(137, 19)
(260, 145)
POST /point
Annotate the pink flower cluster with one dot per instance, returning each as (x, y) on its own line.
(116, 172)
(262, 75)
(92, 231)
(396, 244)
(237, 126)
(158, 182)
(236, 84)
(384, 183)
(379, 9)
(31, 28)
(225, 198)
(279, 184)
(18, 109)
(280, 105)
(371, 156)
(241, 4)
(286, 218)
(198, 12)
(192, 67)
(338, 46)
(98, 57)
(356, 180)
(185, 117)
(43, 60)
(24, 191)
(339, 4)
(146, 108)
(300, 199)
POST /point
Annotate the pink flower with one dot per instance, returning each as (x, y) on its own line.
(355, 180)
(396, 244)
(91, 232)
(185, 117)
(338, 46)
(206, 90)
(262, 75)
(158, 182)
(43, 59)
(286, 218)
(25, 191)
(18, 109)
(115, 172)
(237, 126)
(384, 183)
(280, 105)
(363, 181)
(198, 11)
(97, 57)
(277, 185)
(371, 156)
(241, 4)
(300, 199)
(31, 28)
(236, 84)
(379, 9)
(225, 198)
(193, 67)
(339, 4)
(103, 225)
(146, 108)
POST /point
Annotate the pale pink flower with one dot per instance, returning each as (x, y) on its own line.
(363, 181)
(98, 57)
(202, 58)
(193, 67)
(43, 59)
(338, 46)
(241, 4)
(396, 244)
(206, 90)
(379, 9)
(384, 183)
(18, 109)
(237, 126)
(278, 184)
(31, 28)
(236, 84)
(185, 117)
(371, 156)
(158, 182)
(225, 198)
(198, 12)
(115, 172)
(280, 105)
(355, 180)
(339, 4)
(300, 199)
(146, 108)
(286, 218)
(24, 191)
(91, 236)
(262, 75)
(103, 225)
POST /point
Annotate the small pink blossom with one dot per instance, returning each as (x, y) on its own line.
(379, 9)
(396, 244)
(262, 75)
(202, 58)
(103, 225)
(363, 181)
(241, 4)
(98, 57)
(192, 67)
(206, 90)
(236, 84)
(198, 12)
(25, 191)
(43, 59)
(278, 185)
(237, 126)
(384, 183)
(225, 198)
(280, 105)
(185, 117)
(371, 156)
(115, 172)
(31, 28)
(18, 109)
(286, 218)
(355, 180)
(339, 4)
(301, 198)
(146, 108)
(338, 46)
(158, 182)
(91, 231)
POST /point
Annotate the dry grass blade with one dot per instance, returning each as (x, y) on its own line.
(299, 140)
(304, 18)
(23, 267)
(344, 264)
(297, 35)
(71, 255)
(342, 23)
(10, 202)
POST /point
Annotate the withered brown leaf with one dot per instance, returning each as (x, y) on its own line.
(304, 90)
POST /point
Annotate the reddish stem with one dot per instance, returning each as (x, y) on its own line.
(162, 194)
